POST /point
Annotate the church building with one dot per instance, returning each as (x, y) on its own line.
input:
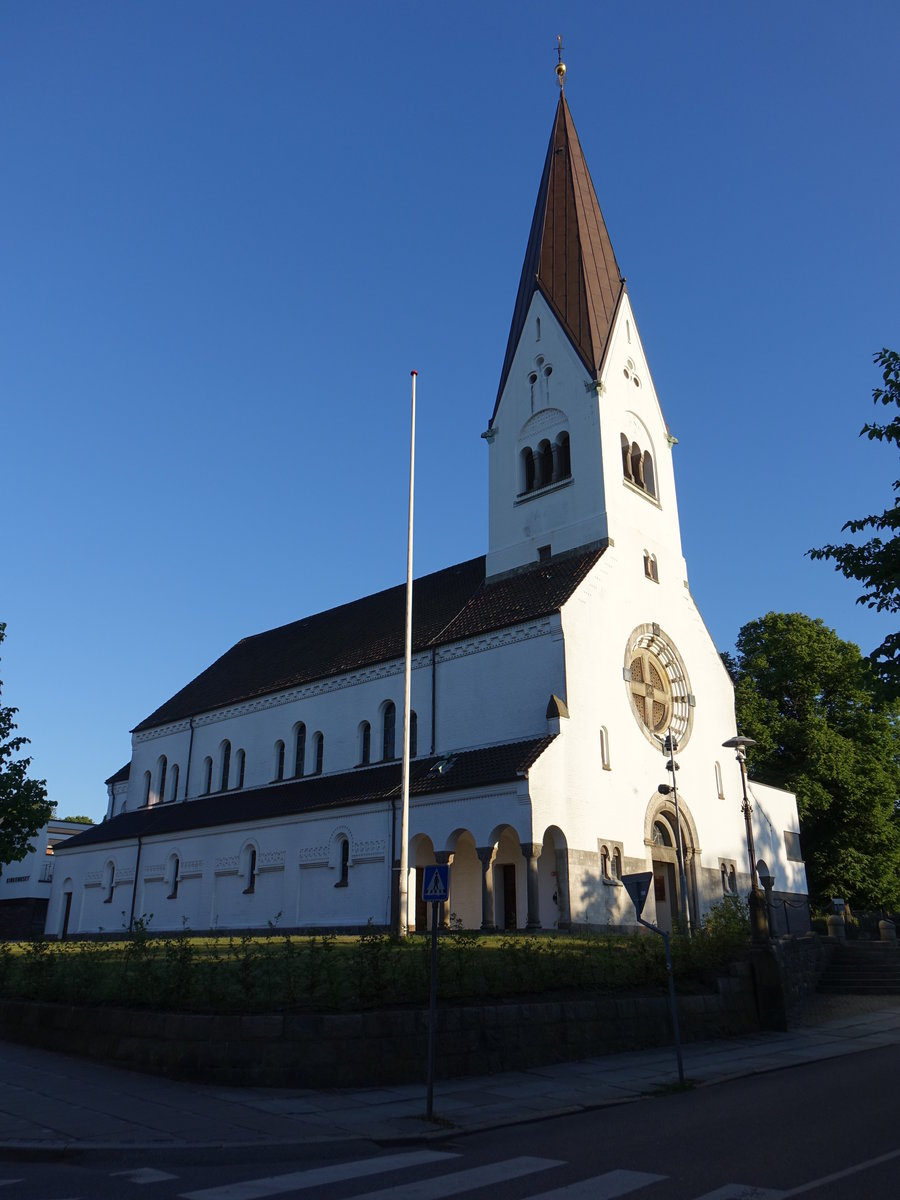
(546, 677)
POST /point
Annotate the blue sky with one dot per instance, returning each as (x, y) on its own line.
(228, 232)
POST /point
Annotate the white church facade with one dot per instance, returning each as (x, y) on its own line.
(545, 676)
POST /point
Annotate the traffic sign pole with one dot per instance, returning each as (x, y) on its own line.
(638, 888)
(436, 889)
(432, 1011)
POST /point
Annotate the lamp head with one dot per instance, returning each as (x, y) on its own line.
(739, 743)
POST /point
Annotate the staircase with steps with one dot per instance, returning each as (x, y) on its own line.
(863, 969)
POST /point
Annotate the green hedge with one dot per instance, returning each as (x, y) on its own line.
(331, 973)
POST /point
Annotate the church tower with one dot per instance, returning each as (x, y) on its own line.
(580, 454)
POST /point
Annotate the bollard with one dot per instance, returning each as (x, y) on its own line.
(887, 931)
(836, 927)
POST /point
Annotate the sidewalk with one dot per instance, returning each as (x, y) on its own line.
(54, 1105)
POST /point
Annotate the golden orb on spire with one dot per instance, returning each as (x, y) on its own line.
(560, 65)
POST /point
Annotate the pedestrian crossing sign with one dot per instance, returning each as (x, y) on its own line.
(436, 883)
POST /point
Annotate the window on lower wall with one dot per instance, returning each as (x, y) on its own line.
(792, 846)
(250, 870)
(174, 867)
(344, 864)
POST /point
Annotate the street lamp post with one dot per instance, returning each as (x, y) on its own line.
(759, 925)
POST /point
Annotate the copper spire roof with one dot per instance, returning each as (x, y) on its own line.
(570, 258)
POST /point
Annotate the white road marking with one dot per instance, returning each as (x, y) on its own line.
(602, 1187)
(742, 1191)
(855, 1170)
(144, 1175)
(465, 1181)
(256, 1189)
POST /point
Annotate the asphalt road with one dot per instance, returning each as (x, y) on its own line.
(825, 1130)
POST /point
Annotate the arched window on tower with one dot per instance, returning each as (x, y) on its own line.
(637, 466)
(161, 780)
(173, 785)
(389, 731)
(318, 745)
(279, 761)
(617, 863)
(226, 766)
(413, 733)
(365, 743)
(110, 881)
(544, 465)
(241, 764)
(649, 477)
(526, 471)
(562, 462)
(626, 458)
(148, 783)
(207, 775)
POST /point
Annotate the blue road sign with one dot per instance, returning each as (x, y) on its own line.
(638, 888)
(436, 883)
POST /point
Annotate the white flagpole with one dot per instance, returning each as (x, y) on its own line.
(403, 891)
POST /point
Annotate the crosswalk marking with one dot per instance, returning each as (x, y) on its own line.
(273, 1185)
(144, 1175)
(465, 1181)
(741, 1191)
(602, 1187)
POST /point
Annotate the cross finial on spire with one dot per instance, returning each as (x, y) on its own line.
(560, 65)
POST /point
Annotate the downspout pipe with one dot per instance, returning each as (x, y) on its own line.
(137, 867)
(187, 773)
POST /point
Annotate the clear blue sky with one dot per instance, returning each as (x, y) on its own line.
(229, 230)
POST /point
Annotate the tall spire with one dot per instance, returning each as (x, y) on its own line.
(569, 258)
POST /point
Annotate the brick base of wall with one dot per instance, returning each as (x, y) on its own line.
(318, 1050)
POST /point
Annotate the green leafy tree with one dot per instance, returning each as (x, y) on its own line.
(876, 563)
(24, 806)
(79, 820)
(825, 731)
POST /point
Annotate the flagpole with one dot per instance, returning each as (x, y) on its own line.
(403, 890)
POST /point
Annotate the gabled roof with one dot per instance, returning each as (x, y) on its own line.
(120, 776)
(569, 258)
(487, 766)
(448, 606)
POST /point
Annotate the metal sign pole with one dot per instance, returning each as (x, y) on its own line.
(638, 888)
(432, 1010)
(436, 889)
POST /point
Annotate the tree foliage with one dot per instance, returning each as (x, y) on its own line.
(876, 563)
(825, 731)
(79, 820)
(24, 806)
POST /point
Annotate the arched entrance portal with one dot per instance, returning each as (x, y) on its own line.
(662, 839)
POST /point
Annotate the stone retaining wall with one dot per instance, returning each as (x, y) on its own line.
(801, 962)
(319, 1050)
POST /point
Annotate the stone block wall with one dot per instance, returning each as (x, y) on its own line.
(319, 1050)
